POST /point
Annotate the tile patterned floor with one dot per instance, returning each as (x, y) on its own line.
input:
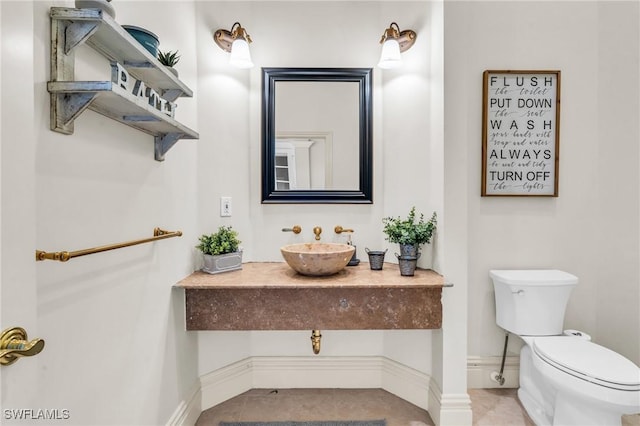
(491, 407)
(498, 407)
(316, 404)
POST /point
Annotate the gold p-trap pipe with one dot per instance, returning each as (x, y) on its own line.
(316, 337)
(63, 256)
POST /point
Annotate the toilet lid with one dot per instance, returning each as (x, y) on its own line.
(589, 361)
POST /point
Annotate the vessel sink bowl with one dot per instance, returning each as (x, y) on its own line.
(317, 259)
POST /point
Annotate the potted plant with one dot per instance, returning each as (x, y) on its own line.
(169, 59)
(409, 233)
(221, 250)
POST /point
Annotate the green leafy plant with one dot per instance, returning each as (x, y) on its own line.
(221, 242)
(409, 231)
(168, 58)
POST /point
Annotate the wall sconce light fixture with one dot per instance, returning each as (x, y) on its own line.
(235, 42)
(393, 42)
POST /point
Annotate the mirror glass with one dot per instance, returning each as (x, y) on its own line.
(316, 135)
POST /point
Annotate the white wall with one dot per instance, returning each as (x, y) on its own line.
(17, 275)
(301, 34)
(113, 326)
(116, 350)
(618, 277)
(591, 229)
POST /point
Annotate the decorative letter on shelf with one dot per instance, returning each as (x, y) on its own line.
(520, 133)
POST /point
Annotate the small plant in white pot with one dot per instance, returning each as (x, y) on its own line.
(169, 59)
(221, 251)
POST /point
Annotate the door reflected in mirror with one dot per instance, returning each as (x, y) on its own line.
(316, 135)
(319, 121)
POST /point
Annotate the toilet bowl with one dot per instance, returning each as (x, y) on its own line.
(565, 379)
(577, 382)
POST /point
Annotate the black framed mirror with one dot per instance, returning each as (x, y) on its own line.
(317, 135)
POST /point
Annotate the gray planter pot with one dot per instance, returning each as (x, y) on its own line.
(222, 262)
(409, 250)
(407, 264)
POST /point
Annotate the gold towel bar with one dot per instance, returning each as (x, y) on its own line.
(63, 256)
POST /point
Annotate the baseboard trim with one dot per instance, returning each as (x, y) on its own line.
(314, 372)
(406, 383)
(479, 371)
(409, 384)
(188, 410)
(449, 409)
(225, 383)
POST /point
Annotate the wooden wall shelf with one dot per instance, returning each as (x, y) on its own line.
(69, 98)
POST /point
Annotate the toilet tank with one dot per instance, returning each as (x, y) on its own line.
(532, 302)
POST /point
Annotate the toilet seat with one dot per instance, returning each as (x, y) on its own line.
(588, 361)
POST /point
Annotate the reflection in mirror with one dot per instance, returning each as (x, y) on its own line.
(310, 156)
(316, 135)
(324, 107)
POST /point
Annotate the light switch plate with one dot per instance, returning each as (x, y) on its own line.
(225, 206)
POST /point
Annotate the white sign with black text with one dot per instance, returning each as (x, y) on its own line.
(520, 121)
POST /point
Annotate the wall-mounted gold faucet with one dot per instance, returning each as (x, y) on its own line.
(315, 341)
(317, 230)
(296, 229)
(15, 344)
(339, 229)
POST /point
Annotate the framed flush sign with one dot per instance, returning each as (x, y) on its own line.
(520, 133)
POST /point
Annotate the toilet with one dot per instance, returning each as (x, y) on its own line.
(565, 379)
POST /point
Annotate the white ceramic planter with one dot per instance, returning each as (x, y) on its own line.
(104, 5)
(173, 71)
(222, 263)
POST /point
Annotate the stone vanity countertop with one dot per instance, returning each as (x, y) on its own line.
(272, 296)
(280, 275)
